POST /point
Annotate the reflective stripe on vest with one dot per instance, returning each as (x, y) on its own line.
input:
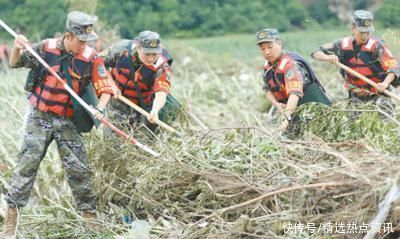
(144, 75)
(364, 63)
(50, 95)
(276, 80)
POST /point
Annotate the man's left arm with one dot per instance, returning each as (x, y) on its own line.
(101, 83)
(389, 65)
(161, 88)
(294, 88)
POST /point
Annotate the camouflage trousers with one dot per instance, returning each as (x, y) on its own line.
(382, 101)
(122, 116)
(41, 129)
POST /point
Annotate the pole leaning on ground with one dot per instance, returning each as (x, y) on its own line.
(82, 102)
(365, 79)
(145, 113)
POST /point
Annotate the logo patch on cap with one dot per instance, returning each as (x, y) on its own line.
(262, 35)
(153, 43)
(89, 29)
(367, 23)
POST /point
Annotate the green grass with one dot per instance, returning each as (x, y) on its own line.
(243, 47)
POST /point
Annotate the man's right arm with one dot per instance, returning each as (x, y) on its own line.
(271, 98)
(269, 95)
(328, 52)
(20, 57)
(19, 42)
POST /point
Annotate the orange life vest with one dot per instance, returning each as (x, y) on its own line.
(128, 69)
(364, 63)
(50, 95)
(275, 79)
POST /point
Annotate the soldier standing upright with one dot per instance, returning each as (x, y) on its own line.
(52, 111)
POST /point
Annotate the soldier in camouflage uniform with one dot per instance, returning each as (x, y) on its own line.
(368, 55)
(51, 112)
(289, 81)
(141, 69)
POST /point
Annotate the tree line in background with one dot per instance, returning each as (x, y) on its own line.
(200, 18)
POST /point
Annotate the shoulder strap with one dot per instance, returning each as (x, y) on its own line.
(64, 69)
(132, 74)
(82, 119)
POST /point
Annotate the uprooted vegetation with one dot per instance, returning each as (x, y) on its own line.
(232, 183)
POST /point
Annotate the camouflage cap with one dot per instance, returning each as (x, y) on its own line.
(81, 25)
(363, 20)
(150, 42)
(267, 35)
